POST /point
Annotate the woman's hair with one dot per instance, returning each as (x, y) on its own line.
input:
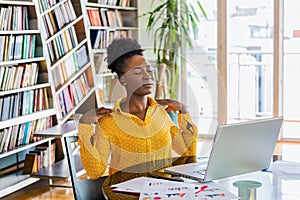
(119, 51)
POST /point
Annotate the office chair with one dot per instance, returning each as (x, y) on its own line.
(82, 189)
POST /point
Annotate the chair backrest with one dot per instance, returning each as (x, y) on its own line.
(83, 189)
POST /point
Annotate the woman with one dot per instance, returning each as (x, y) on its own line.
(138, 129)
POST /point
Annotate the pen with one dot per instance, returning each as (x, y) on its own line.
(178, 179)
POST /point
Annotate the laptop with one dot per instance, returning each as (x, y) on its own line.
(237, 149)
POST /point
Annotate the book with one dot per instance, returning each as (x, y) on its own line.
(6, 45)
(103, 17)
(53, 22)
(94, 16)
(11, 78)
(62, 104)
(2, 47)
(3, 135)
(81, 53)
(21, 134)
(4, 78)
(31, 51)
(46, 101)
(40, 102)
(25, 46)
(16, 106)
(58, 77)
(67, 100)
(30, 164)
(1, 104)
(7, 135)
(18, 79)
(68, 18)
(11, 48)
(74, 93)
(5, 108)
(60, 18)
(27, 132)
(39, 158)
(70, 67)
(18, 47)
(44, 155)
(27, 72)
(49, 30)
(1, 139)
(14, 137)
(70, 10)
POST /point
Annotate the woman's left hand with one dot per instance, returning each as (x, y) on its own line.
(172, 105)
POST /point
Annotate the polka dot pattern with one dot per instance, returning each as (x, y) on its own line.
(122, 140)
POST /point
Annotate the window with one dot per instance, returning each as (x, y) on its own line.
(249, 59)
(291, 68)
(201, 72)
(250, 65)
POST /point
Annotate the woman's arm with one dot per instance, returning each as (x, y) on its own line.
(94, 158)
(185, 135)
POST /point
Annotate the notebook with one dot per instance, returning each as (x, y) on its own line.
(237, 149)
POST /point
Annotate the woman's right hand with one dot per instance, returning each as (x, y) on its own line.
(92, 116)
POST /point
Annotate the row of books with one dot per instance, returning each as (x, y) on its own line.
(22, 134)
(39, 158)
(70, 66)
(62, 44)
(104, 17)
(58, 18)
(14, 18)
(23, 103)
(15, 47)
(46, 4)
(124, 3)
(73, 94)
(104, 37)
(14, 77)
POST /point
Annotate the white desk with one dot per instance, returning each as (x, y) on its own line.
(273, 187)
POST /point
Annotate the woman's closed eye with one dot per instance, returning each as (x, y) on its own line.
(140, 70)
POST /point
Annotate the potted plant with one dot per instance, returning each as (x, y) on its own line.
(175, 25)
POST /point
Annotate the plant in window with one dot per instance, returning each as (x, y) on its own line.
(175, 24)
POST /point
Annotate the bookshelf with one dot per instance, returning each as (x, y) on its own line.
(67, 52)
(26, 100)
(70, 70)
(107, 20)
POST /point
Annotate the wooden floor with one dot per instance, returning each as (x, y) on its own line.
(41, 190)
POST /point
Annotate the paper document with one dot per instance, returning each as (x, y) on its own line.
(152, 188)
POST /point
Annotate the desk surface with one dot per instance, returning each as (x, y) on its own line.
(273, 187)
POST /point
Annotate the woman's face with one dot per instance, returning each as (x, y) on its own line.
(138, 76)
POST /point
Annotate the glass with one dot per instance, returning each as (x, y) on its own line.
(250, 59)
(199, 85)
(291, 70)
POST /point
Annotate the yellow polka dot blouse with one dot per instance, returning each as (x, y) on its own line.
(122, 140)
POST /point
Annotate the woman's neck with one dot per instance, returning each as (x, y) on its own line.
(136, 105)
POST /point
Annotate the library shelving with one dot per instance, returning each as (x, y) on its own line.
(71, 70)
(25, 92)
(107, 20)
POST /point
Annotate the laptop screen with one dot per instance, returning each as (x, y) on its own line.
(243, 147)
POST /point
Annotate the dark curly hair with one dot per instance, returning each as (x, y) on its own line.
(119, 51)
